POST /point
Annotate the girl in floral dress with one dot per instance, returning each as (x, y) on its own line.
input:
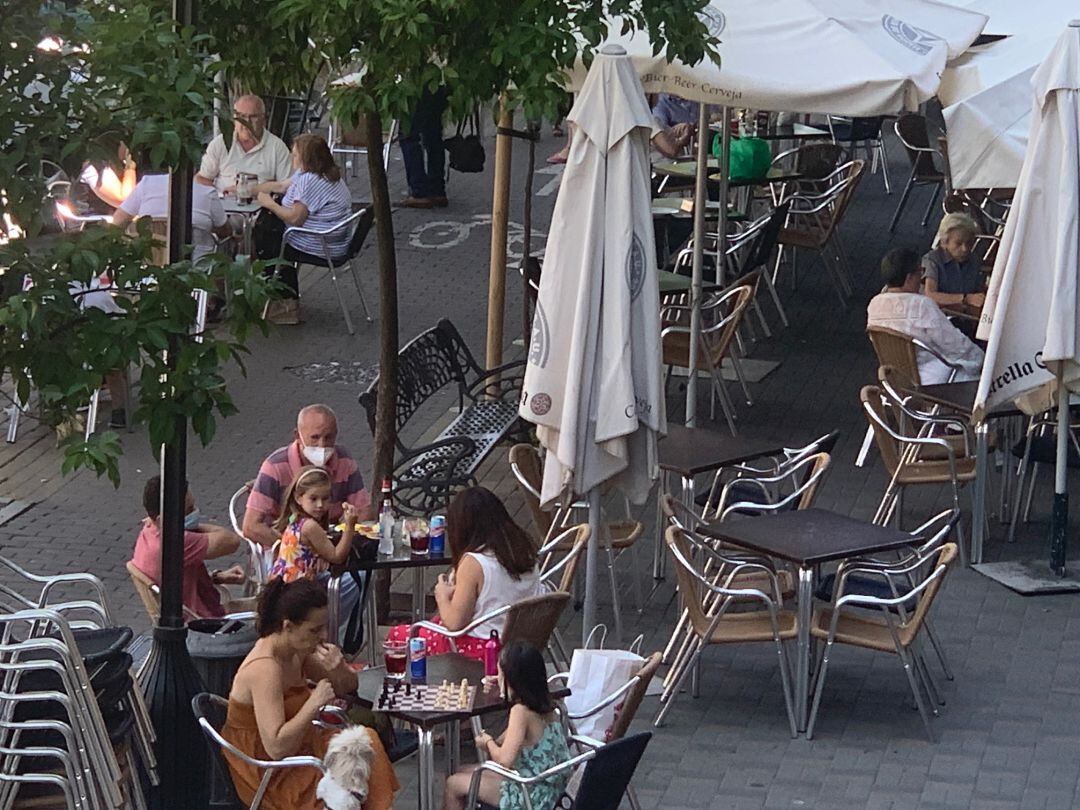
(305, 548)
(534, 739)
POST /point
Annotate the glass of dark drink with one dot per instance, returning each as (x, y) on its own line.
(418, 542)
(396, 656)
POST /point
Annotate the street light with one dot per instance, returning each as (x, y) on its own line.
(169, 678)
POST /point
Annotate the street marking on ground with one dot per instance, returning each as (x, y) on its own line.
(443, 234)
(552, 185)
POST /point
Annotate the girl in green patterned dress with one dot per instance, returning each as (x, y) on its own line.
(534, 739)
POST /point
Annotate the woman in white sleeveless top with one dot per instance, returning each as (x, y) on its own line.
(494, 564)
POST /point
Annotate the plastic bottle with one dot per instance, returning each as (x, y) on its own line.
(386, 519)
(492, 648)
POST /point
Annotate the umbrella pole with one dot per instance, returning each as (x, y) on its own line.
(700, 203)
(1059, 521)
(588, 613)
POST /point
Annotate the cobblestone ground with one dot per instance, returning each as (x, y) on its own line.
(1008, 736)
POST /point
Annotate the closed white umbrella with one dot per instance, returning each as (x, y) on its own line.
(593, 380)
(1031, 315)
(986, 92)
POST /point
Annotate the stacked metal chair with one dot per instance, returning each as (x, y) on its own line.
(74, 730)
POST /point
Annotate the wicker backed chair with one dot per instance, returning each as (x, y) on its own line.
(720, 317)
(898, 629)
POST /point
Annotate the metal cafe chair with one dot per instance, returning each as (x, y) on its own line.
(210, 712)
(259, 560)
(721, 316)
(711, 622)
(865, 131)
(357, 224)
(616, 536)
(627, 699)
(914, 457)
(90, 621)
(604, 779)
(896, 631)
(340, 145)
(93, 700)
(911, 130)
(813, 220)
(926, 539)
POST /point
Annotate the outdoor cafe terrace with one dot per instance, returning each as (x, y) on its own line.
(1007, 732)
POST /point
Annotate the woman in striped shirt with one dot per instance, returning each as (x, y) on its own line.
(315, 197)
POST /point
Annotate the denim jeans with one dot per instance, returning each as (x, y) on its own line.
(423, 136)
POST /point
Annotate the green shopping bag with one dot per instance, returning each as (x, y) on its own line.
(748, 158)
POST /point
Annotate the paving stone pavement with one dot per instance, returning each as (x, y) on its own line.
(1008, 735)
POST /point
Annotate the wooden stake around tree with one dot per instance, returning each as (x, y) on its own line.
(500, 213)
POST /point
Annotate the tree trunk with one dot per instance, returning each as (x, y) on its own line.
(385, 426)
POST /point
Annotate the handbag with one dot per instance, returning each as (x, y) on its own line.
(466, 152)
(595, 674)
(748, 158)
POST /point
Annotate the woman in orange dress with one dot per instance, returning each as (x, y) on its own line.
(271, 706)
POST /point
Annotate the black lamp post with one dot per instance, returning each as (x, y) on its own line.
(169, 679)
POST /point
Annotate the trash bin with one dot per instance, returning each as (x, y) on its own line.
(217, 648)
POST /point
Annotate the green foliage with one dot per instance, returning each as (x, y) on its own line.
(122, 73)
(50, 342)
(478, 48)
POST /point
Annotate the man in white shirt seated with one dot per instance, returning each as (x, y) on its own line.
(902, 308)
(254, 150)
(150, 198)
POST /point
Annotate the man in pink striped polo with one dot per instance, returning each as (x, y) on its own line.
(314, 442)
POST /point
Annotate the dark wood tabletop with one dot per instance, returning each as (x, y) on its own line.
(774, 175)
(808, 537)
(401, 558)
(691, 451)
(451, 667)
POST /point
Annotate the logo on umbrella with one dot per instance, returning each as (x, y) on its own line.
(635, 267)
(914, 39)
(714, 19)
(538, 346)
(540, 404)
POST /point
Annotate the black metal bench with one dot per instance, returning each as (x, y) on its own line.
(425, 476)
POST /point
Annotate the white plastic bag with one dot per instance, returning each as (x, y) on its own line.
(595, 674)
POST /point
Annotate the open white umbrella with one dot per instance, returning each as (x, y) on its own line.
(849, 57)
(986, 92)
(593, 380)
(1032, 309)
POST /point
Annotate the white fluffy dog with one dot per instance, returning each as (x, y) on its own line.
(344, 786)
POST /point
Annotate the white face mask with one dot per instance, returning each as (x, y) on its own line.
(318, 456)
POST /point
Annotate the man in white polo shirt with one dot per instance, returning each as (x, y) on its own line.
(254, 150)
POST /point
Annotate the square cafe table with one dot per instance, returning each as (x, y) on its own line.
(402, 557)
(453, 668)
(807, 538)
(688, 452)
(247, 212)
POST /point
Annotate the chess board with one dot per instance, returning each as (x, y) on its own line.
(401, 696)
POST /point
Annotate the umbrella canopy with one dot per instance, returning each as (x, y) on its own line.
(1030, 317)
(852, 57)
(593, 380)
(986, 93)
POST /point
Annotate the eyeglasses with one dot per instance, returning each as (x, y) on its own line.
(244, 117)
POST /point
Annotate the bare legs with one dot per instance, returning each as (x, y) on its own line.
(457, 789)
